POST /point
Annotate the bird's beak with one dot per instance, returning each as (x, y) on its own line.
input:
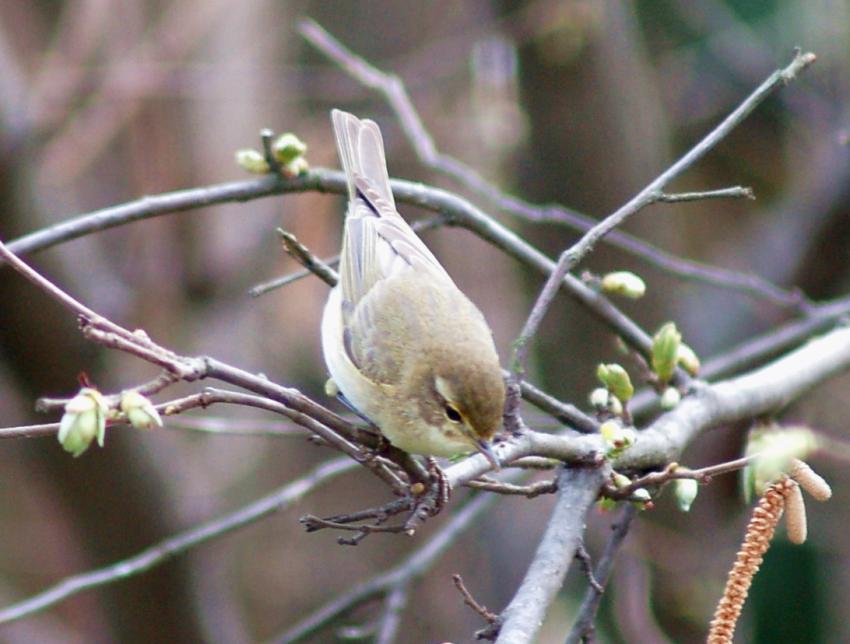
(486, 448)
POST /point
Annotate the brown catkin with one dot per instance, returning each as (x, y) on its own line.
(760, 531)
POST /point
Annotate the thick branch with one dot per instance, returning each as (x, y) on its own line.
(577, 491)
(762, 391)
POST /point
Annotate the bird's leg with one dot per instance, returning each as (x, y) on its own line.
(430, 499)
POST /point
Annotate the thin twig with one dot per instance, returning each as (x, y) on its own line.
(266, 287)
(650, 194)
(489, 616)
(674, 471)
(179, 543)
(395, 93)
(530, 491)
(590, 604)
(586, 562)
(409, 569)
(301, 254)
(737, 192)
(291, 403)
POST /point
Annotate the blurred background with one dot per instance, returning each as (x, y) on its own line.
(576, 102)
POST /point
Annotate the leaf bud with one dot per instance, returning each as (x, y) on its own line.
(252, 161)
(686, 491)
(288, 147)
(139, 410)
(84, 420)
(688, 359)
(670, 398)
(624, 283)
(665, 351)
(616, 380)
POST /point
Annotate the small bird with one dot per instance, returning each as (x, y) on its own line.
(405, 347)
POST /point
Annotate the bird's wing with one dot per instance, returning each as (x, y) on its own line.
(377, 242)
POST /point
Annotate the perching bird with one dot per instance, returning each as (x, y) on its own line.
(404, 346)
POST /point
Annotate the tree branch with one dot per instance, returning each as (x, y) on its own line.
(392, 88)
(523, 617)
(593, 595)
(408, 570)
(179, 543)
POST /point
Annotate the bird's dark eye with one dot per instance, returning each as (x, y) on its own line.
(453, 414)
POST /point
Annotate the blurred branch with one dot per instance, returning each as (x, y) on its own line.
(524, 615)
(179, 543)
(407, 571)
(395, 93)
(583, 627)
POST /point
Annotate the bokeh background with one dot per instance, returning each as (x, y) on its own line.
(576, 102)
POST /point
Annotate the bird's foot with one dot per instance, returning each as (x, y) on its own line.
(429, 498)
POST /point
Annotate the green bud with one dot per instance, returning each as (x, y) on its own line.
(670, 398)
(288, 147)
(665, 351)
(252, 161)
(606, 505)
(686, 491)
(84, 420)
(616, 380)
(139, 410)
(624, 283)
(688, 359)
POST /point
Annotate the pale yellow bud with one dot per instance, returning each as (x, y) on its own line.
(84, 420)
(599, 398)
(620, 480)
(252, 161)
(641, 495)
(688, 359)
(139, 410)
(665, 351)
(617, 438)
(670, 398)
(615, 406)
(686, 491)
(624, 283)
(296, 167)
